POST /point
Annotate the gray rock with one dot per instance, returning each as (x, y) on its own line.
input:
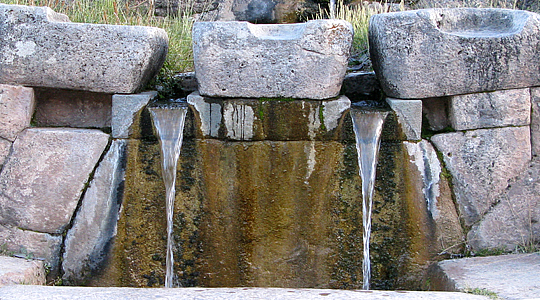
(16, 109)
(21, 271)
(41, 182)
(440, 52)
(514, 222)
(507, 276)
(435, 112)
(24, 243)
(239, 59)
(535, 120)
(42, 48)
(5, 145)
(69, 108)
(448, 234)
(124, 111)
(493, 109)
(20, 292)
(187, 82)
(481, 163)
(409, 117)
(94, 225)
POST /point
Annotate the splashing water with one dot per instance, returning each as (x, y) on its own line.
(168, 121)
(367, 129)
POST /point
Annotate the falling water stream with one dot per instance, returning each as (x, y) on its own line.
(168, 120)
(367, 129)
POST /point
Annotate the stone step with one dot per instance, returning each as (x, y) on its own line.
(48, 292)
(20, 271)
(515, 276)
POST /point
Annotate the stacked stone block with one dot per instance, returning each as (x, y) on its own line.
(63, 176)
(474, 72)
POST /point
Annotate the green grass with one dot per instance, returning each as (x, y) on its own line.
(121, 12)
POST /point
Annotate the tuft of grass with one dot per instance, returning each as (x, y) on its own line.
(482, 292)
(358, 15)
(121, 12)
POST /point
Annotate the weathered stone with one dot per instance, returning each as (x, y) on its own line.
(362, 85)
(239, 59)
(493, 109)
(409, 117)
(514, 222)
(21, 292)
(95, 223)
(448, 234)
(5, 145)
(21, 271)
(68, 108)
(42, 180)
(37, 245)
(124, 110)
(187, 82)
(16, 109)
(435, 112)
(42, 48)
(535, 120)
(481, 163)
(440, 52)
(255, 119)
(512, 276)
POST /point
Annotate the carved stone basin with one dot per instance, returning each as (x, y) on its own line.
(442, 52)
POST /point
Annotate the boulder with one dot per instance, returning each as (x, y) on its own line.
(481, 163)
(41, 182)
(239, 59)
(21, 271)
(513, 222)
(440, 52)
(16, 109)
(42, 48)
(492, 109)
(30, 244)
(94, 226)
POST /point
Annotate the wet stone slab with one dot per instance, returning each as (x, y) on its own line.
(512, 276)
(45, 292)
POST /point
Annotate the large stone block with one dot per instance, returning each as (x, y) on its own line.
(16, 109)
(443, 220)
(95, 223)
(42, 48)
(68, 108)
(239, 59)
(41, 182)
(513, 222)
(481, 163)
(440, 52)
(493, 109)
(21, 271)
(24, 243)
